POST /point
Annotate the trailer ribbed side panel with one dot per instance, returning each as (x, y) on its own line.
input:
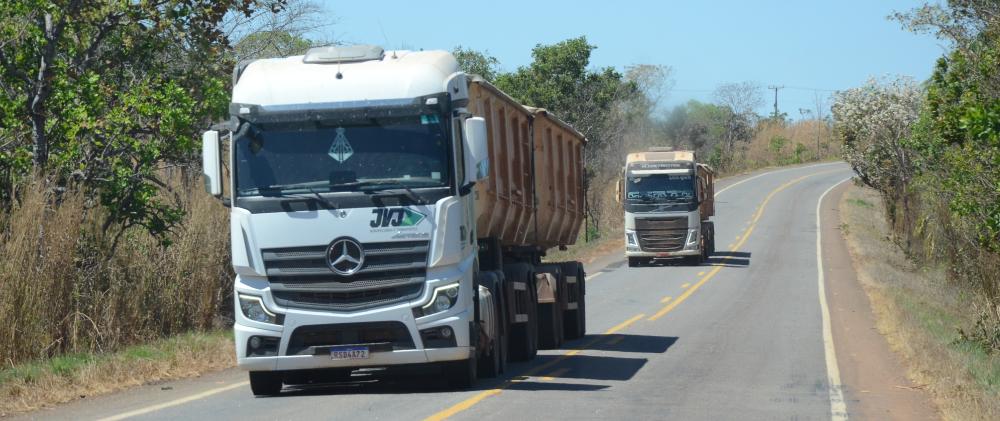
(534, 193)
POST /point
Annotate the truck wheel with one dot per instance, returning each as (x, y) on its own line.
(504, 324)
(491, 365)
(634, 262)
(575, 320)
(265, 383)
(523, 338)
(549, 326)
(711, 239)
(462, 374)
(550, 320)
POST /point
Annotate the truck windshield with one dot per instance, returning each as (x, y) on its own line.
(660, 188)
(385, 153)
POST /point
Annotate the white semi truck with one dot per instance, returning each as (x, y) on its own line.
(390, 211)
(669, 198)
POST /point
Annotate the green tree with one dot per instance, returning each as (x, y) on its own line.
(107, 94)
(477, 63)
(559, 80)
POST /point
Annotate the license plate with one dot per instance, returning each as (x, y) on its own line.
(349, 352)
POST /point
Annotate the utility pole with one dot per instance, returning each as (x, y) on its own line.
(776, 88)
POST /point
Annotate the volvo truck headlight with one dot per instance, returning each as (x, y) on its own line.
(692, 237)
(253, 309)
(443, 299)
(630, 238)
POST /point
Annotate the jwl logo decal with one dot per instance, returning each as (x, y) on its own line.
(396, 217)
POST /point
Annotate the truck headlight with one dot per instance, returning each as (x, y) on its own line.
(630, 238)
(253, 308)
(443, 299)
(692, 237)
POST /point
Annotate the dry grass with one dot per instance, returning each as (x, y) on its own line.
(66, 378)
(779, 145)
(63, 291)
(75, 311)
(919, 311)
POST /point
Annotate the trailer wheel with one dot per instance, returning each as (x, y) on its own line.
(492, 363)
(462, 374)
(523, 337)
(550, 315)
(575, 320)
(265, 383)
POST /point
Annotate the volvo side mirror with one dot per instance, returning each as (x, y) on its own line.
(210, 166)
(477, 153)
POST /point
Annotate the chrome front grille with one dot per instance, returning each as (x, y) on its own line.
(661, 234)
(393, 272)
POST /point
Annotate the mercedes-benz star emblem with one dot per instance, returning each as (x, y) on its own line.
(345, 256)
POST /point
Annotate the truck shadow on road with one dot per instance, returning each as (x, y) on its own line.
(547, 372)
(729, 259)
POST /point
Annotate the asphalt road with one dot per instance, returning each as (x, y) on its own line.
(739, 337)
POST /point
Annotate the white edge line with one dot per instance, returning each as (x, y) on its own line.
(772, 172)
(179, 401)
(838, 407)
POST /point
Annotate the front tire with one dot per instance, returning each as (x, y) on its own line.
(462, 374)
(265, 383)
(493, 362)
(634, 262)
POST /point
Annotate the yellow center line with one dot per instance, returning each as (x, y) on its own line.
(732, 247)
(624, 324)
(665, 299)
(701, 273)
(554, 374)
(685, 286)
(468, 403)
(615, 340)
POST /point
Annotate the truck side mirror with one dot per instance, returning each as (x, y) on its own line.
(477, 160)
(210, 166)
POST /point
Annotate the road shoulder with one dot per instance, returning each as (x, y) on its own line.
(874, 378)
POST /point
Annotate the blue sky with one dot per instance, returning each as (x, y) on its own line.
(803, 45)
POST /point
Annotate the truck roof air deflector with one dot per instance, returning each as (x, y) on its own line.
(343, 54)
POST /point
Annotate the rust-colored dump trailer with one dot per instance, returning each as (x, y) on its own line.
(534, 193)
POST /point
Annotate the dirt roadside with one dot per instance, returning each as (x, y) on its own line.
(874, 377)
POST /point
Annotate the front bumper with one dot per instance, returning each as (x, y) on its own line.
(667, 254)
(377, 359)
(459, 318)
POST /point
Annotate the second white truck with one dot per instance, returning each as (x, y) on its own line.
(668, 198)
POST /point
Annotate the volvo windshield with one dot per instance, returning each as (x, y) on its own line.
(660, 188)
(408, 152)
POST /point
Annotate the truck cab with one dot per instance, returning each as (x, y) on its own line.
(668, 200)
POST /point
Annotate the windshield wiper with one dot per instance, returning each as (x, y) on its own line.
(279, 189)
(386, 189)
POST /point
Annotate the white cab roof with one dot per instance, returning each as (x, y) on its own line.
(397, 75)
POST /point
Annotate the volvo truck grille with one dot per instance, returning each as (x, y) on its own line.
(393, 272)
(661, 234)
